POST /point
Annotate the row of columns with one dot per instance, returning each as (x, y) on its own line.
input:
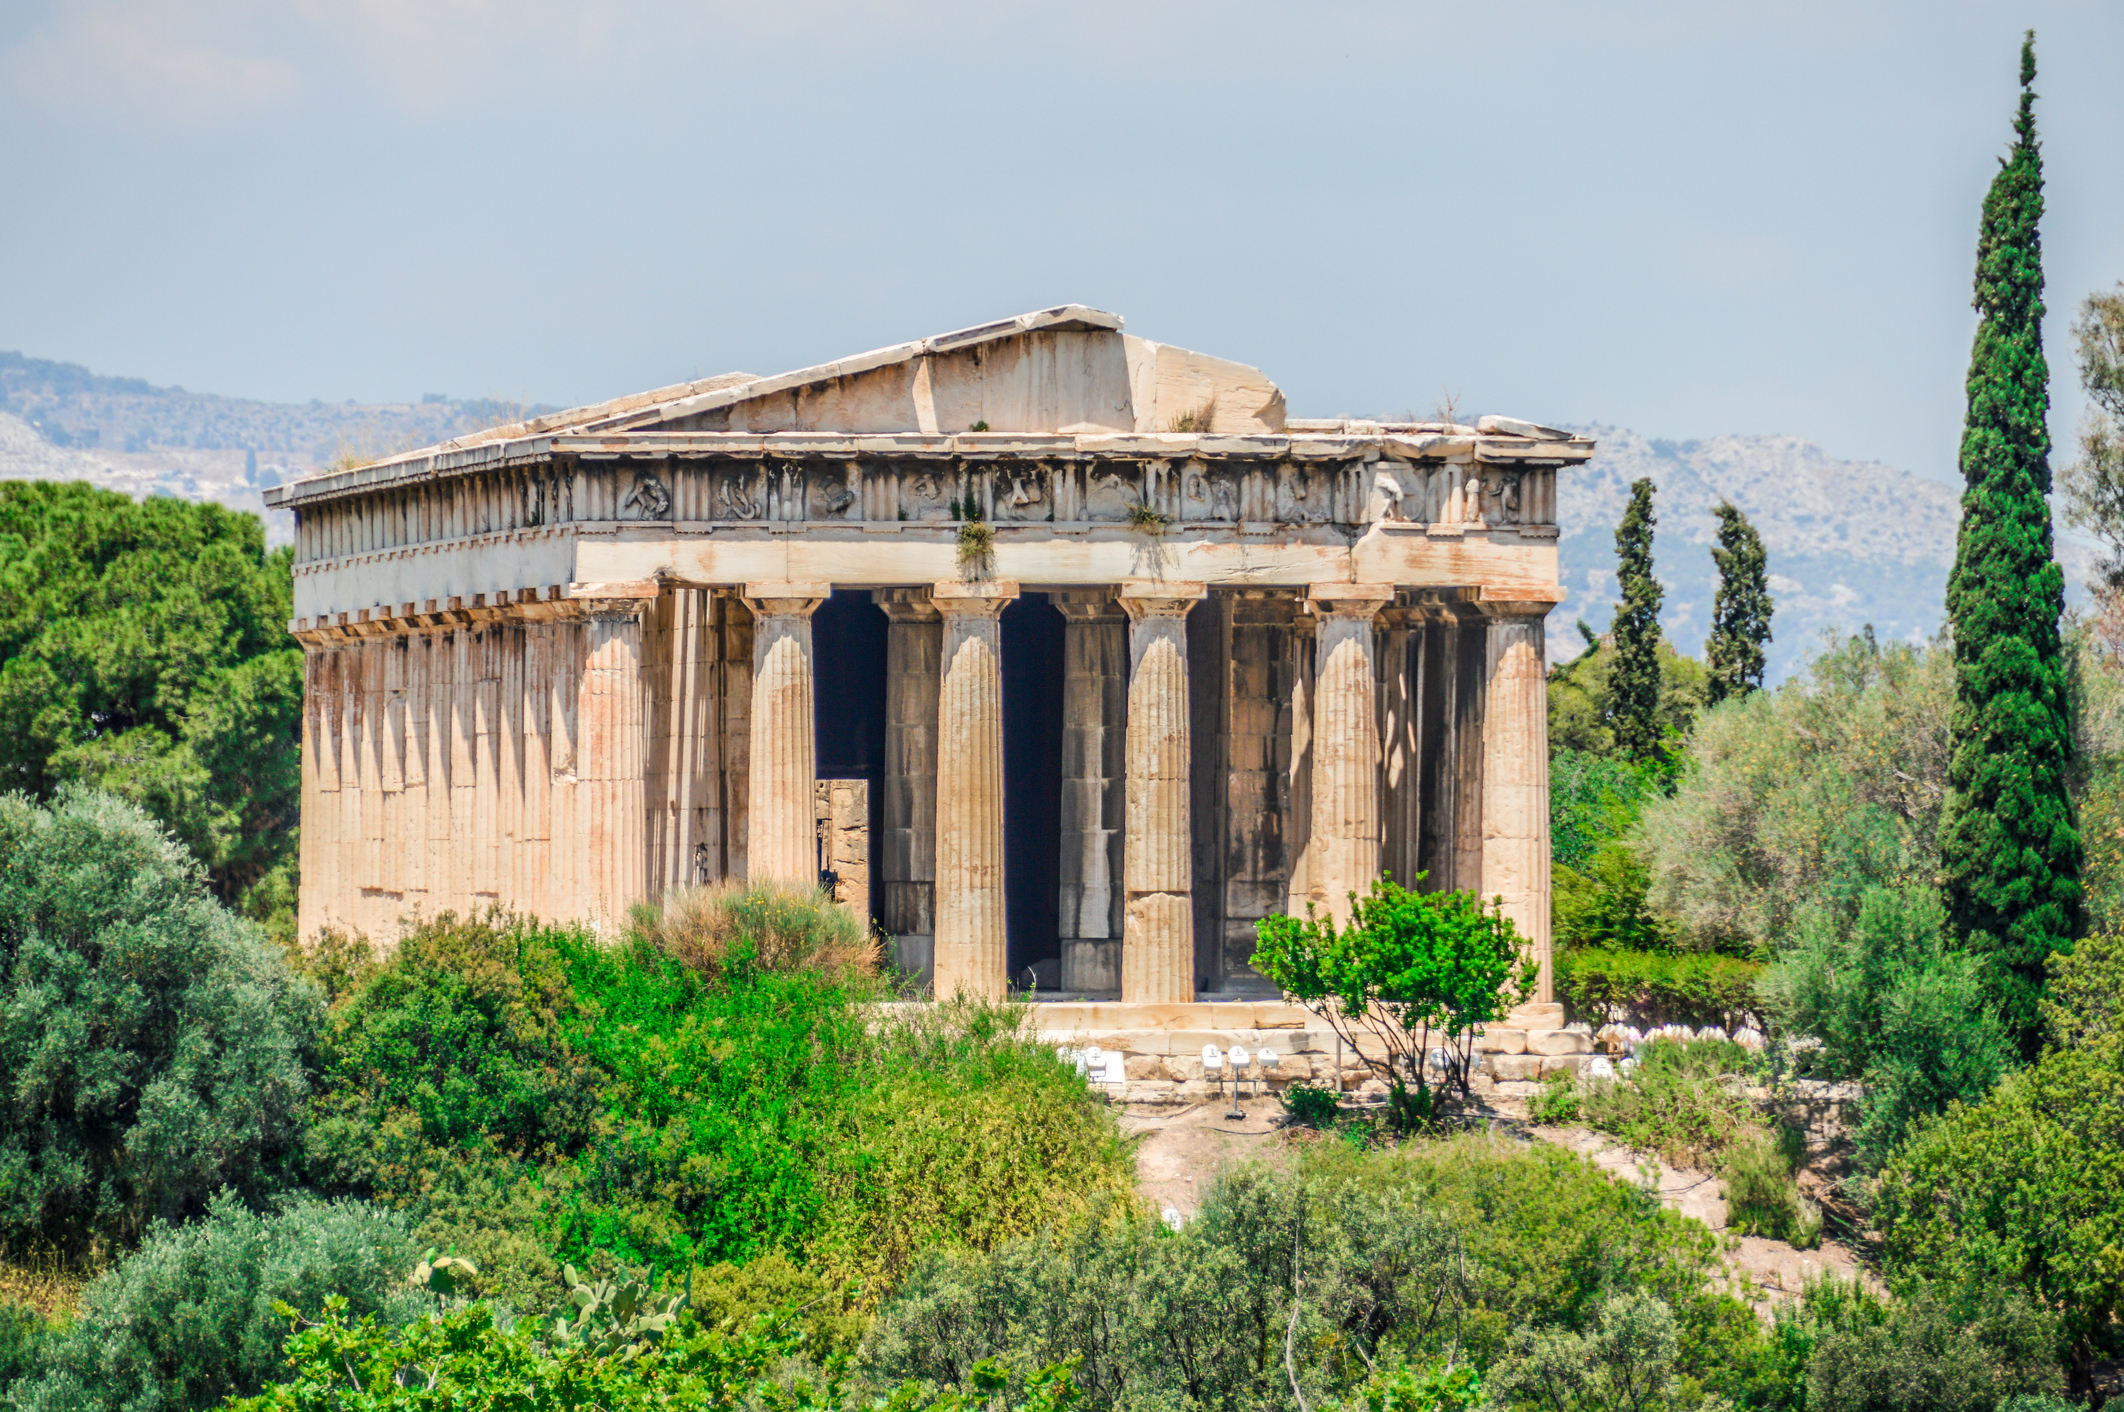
(944, 840)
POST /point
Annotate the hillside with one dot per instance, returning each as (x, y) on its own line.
(59, 421)
(1850, 542)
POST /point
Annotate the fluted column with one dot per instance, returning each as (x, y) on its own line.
(971, 954)
(1400, 627)
(1343, 851)
(914, 641)
(1158, 936)
(1515, 768)
(1094, 789)
(781, 827)
(610, 759)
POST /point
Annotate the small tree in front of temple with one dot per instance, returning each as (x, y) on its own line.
(1409, 971)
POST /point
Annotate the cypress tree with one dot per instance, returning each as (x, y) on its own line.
(1740, 615)
(1633, 681)
(2009, 845)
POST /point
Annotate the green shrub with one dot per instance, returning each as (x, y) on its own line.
(154, 1045)
(1638, 987)
(764, 924)
(1555, 1103)
(1924, 1357)
(22, 1335)
(187, 1320)
(1624, 1359)
(1683, 1101)
(531, 1096)
(1607, 905)
(1893, 1007)
(1314, 1107)
(2085, 997)
(2018, 1192)
(1593, 800)
(1761, 1197)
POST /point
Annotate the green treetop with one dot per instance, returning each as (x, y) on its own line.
(1740, 615)
(1633, 681)
(2010, 846)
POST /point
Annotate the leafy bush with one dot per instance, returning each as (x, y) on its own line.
(1409, 970)
(769, 925)
(1923, 1357)
(187, 1320)
(1314, 1107)
(1594, 799)
(1762, 1199)
(2085, 997)
(153, 1045)
(1580, 711)
(1683, 1101)
(2018, 1192)
(467, 1359)
(22, 1336)
(1645, 988)
(531, 1096)
(1608, 905)
(1808, 794)
(1623, 1360)
(1892, 1007)
(1556, 1102)
(144, 650)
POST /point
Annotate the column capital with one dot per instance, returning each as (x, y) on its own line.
(606, 602)
(1519, 600)
(985, 599)
(905, 605)
(785, 598)
(1159, 598)
(1349, 600)
(1086, 605)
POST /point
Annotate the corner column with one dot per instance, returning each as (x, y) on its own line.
(1158, 936)
(914, 641)
(1343, 851)
(1094, 794)
(1515, 768)
(781, 828)
(971, 944)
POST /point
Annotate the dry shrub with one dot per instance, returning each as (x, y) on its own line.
(768, 925)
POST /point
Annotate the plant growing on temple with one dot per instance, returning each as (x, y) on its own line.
(1409, 971)
(1147, 519)
(977, 539)
(2009, 842)
(1633, 679)
(1740, 614)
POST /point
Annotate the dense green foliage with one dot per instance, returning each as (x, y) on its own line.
(1804, 796)
(1688, 988)
(2018, 1189)
(187, 1321)
(2009, 843)
(1894, 1006)
(466, 1360)
(153, 1048)
(144, 650)
(1580, 699)
(1634, 680)
(1740, 614)
(1593, 798)
(1410, 970)
(532, 1096)
(1385, 1259)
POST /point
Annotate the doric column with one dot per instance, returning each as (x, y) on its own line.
(1158, 938)
(1515, 768)
(914, 641)
(1094, 793)
(1343, 851)
(782, 831)
(971, 955)
(609, 758)
(1401, 795)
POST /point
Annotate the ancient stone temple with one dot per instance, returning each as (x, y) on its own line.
(1065, 655)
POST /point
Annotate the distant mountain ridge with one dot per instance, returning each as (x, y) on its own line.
(1850, 542)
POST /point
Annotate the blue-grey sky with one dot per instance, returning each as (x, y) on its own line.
(1686, 218)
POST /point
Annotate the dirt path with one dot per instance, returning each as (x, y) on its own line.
(1180, 1149)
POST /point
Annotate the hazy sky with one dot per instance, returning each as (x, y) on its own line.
(1683, 218)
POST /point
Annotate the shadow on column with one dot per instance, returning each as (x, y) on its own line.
(848, 711)
(1032, 787)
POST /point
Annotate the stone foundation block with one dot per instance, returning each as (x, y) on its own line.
(1514, 1066)
(1564, 1063)
(1144, 1066)
(1550, 1042)
(1496, 1039)
(1538, 1015)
